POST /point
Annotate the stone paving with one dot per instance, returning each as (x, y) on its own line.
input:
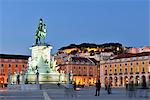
(59, 94)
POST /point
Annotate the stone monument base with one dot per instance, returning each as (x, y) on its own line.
(45, 78)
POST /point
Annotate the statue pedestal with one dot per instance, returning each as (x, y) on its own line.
(42, 61)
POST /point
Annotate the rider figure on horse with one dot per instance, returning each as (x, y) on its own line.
(40, 32)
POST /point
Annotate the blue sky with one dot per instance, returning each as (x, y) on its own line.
(73, 21)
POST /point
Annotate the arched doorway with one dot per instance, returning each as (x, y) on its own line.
(149, 79)
(126, 80)
(116, 81)
(143, 78)
(121, 81)
(137, 80)
(106, 81)
(111, 81)
(1, 82)
(131, 79)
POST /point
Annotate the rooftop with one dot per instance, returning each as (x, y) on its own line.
(11, 56)
(129, 55)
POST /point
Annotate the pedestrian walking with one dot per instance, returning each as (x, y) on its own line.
(98, 86)
(126, 89)
(74, 89)
(105, 86)
(131, 89)
(109, 89)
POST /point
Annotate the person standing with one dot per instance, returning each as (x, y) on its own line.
(109, 88)
(98, 86)
(74, 89)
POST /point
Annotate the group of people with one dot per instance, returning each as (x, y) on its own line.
(98, 87)
(137, 90)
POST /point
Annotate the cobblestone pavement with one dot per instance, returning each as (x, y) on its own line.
(59, 94)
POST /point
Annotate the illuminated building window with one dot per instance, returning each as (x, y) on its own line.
(110, 72)
(143, 69)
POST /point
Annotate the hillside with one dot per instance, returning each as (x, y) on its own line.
(116, 48)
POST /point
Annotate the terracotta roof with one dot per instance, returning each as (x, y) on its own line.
(10, 56)
(79, 59)
(94, 60)
(129, 55)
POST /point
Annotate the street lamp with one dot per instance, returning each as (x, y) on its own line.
(98, 67)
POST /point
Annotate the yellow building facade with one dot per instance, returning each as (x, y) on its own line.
(122, 69)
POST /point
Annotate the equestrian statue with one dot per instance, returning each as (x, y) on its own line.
(40, 34)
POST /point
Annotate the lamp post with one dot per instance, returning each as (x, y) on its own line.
(98, 67)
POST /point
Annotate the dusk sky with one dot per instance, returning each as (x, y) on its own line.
(73, 21)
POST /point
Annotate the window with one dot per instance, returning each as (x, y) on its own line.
(79, 72)
(22, 66)
(115, 65)
(120, 65)
(125, 64)
(131, 70)
(115, 70)
(9, 65)
(131, 64)
(137, 63)
(74, 70)
(84, 72)
(16, 65)
(120, 70)
(105, 72)
(137, 69)
(90, 71)
(143, 63)
(143, 69)
(125, 70)
(2, 65)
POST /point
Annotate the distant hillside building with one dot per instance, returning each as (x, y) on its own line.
(84, 70)
(13, 64)
(139, 50)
